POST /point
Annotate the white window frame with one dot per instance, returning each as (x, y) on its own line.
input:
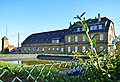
(57, 41)
(95, 27)
(48, 48)
(76, 38)
(53, 41)
(24, 49)
(92, 27)
(53, 49)
(83, 48)
(57, 49)
(83, 29)
(62, 50)
(37, 49)
(69, 39)
(76, 48)
(101, 48)
(100, 26)
(69, 49)
(101, 36)
(42, 49)
(78, 29)
(83, 39)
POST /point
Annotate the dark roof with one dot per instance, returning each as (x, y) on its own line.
(45, 37)
(104, 21)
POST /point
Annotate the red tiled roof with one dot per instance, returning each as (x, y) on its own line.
(11, 46)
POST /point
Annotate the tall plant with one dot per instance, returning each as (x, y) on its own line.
(101, 67)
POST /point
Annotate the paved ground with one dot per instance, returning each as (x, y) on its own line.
(16, 57)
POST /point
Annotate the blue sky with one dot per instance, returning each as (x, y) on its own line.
(33, 16)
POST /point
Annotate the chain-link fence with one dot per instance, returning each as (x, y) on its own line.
(54, 72)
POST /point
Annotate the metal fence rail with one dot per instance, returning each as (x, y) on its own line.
(41, 73)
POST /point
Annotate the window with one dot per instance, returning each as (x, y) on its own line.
(57, 41)
(101, 36)
(37, 49)
(83, 29)
(53, 41)
(57, 49)
(76, 38)
(69, 49)
(100, 48)
(91, 48)
(78, 29)
(95, 27)
(33, 49)
(42, 49)
(100, 26)
(28, 49)
(48, 48)
(91, 28)
(62, 50)
(83, 38)
(91, 36)
(76, 48)
(83, 48)
(53, 49)
(24, 49)
(69, 39)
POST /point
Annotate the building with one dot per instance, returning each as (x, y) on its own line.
(71, 39)
(5, 44)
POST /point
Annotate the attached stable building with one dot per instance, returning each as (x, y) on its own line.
(71, 39)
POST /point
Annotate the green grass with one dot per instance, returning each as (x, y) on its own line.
(9, 71)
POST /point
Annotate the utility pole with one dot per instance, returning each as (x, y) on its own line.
(18, 39)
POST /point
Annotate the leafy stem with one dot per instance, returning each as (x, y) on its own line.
(93, 40)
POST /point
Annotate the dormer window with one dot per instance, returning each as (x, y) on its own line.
(78, 29)
(83, 29)
(91, 28)
(57, 41)
(100, 26)
(95, 27)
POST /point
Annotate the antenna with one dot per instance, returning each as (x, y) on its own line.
(18, 38)
(6, 30)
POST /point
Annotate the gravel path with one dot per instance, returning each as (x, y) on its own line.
(16, 57)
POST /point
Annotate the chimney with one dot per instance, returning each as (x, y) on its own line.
(99, 19)
(95, 17)
(74, 22)
(70, 23)
(84, 19)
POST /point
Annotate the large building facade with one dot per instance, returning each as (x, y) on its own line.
(71, 39)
